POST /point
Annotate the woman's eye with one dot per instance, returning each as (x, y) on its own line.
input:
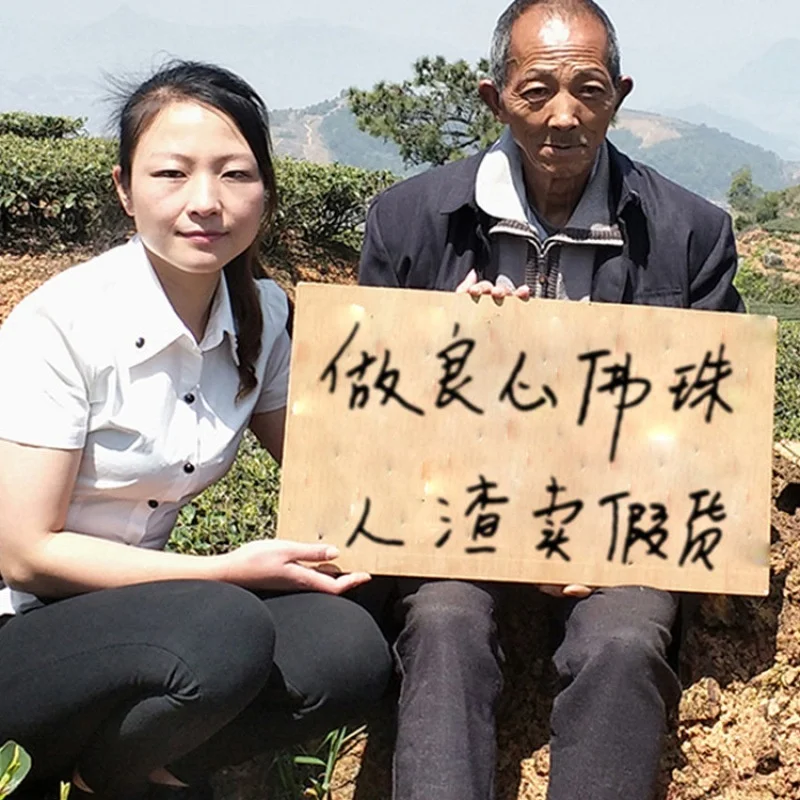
(238, 175)
(168, 173)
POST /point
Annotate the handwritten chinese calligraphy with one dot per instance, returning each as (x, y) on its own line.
(629, 390)
(644, 523)
(431, 435)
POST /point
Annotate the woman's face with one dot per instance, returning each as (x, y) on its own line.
(195, 191)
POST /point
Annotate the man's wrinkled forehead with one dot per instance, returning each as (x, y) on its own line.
(549, 29)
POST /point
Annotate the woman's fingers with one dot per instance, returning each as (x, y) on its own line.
(301, 551)
(298, 576)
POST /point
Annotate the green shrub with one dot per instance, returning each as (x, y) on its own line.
(783, 225)
(54, 191)
(767, 207)
(59, 192)
(756, 286)
(770, 294)
(241, 507)
(326, 202)
(787, 382)
(38, 126)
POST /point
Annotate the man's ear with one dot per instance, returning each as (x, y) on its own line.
(122, 190)
(489, 94)
(624, 88)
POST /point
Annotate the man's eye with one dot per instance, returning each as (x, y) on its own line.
(593, 91)
(536, 93)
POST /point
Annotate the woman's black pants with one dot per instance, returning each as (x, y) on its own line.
(187, 675)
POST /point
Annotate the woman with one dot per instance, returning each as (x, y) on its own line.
(128, 383)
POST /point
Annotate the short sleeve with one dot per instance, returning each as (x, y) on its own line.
(278, 345)
(275, 389)
(44, 397)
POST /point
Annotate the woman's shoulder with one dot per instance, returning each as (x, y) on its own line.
(79, 292)
(274, 305)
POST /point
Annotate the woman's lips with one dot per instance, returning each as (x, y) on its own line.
(203, 237)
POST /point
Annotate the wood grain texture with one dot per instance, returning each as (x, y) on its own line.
(408, 465)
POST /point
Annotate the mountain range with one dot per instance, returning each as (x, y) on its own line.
(752, 118)
(699, 157)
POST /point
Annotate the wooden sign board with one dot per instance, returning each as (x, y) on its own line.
(547, 442)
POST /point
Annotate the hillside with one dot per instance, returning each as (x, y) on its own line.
(735, 734)
(327, 132)
(699, 157)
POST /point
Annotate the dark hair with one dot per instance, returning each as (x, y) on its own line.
(501, 39)
(222, 90)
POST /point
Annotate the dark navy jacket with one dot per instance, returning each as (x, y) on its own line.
(428, 233)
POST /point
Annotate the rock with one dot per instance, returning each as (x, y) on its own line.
(701, 703)
(773, 260)
(790, 676)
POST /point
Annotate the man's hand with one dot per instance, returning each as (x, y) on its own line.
(571, 590)
(498, 291)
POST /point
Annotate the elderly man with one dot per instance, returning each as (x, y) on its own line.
(552, 210)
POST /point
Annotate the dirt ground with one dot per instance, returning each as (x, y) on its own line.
(736, 734)
(756, 243)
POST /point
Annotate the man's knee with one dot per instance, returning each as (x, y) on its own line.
(451, 614)
(625, 650)
(622, 657)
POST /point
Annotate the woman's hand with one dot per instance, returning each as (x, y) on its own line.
(279, 564)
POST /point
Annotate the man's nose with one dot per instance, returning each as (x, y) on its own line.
(563, 112)
(204, 197)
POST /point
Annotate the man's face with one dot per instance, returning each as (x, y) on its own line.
(559, 98)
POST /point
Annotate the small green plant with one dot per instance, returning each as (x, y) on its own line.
(15, 764)
(309, 773)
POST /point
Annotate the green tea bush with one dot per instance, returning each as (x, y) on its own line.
(58, 192)
(326, 203)
(771, 294)
(783, 225)
(54, 191)
(241, 507)
(757, 286)
(787, 382)
(38, 126)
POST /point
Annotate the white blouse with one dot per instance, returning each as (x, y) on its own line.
(96, 359)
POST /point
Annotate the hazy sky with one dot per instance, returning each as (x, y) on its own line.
(667, 45)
